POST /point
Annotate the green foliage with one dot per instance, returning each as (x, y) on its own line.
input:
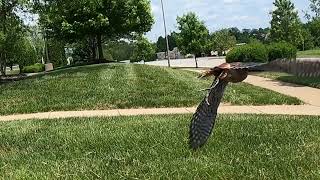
(11, 32)
(56, 52)
(223, 41)
(315, 7)
(112, 18)
(119, 50)
(285, 23)
(82, 51)
(143, 50)
(281, 50)
(162, 44)
(255, 52)
(246, 35)
(307, 40)
(314, 28)
(193, 34)
(96, 19)
(21, 51)
(258, 52)
(38, 67)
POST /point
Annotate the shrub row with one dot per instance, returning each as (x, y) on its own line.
(38, 67)
(258, 52)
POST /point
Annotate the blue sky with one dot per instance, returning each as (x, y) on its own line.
(217, 14)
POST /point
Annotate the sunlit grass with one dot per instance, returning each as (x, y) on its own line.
(309, 53)
(285, 77)
(116, 86)
(153, 147)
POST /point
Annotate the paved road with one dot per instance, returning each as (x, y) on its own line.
(207, 62)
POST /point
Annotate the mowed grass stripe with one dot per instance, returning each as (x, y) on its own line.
(151, 147)
(115, 86)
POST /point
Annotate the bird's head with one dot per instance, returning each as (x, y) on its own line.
(228, 72)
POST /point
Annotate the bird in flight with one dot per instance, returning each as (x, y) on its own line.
(203, 120)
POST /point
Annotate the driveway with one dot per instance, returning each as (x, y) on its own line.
(206, 62)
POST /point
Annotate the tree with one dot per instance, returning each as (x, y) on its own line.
(98, 20)
(314, 28)
(223, 40)
(285, 23)
(162, 44)
(313, 25)
(16, 45)
(307, 40)
(193, 35)
(315, 9)
(143, 50)
(119, 50)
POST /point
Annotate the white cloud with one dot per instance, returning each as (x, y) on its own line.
(217, 14)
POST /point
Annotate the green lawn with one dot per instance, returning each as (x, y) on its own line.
(121, 86)
(285, 77)
(309, 53)
(155, 147)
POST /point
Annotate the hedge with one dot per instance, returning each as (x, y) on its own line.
(258, 52)
(34, 68)
(282, 50)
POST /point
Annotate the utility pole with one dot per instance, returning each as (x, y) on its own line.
(165, 32)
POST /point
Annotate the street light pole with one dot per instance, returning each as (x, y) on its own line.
(165, 32)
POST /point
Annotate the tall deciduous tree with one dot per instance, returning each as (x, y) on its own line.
(223, 40)
(193, 35)
(12, 34)
(315, 7)
(285, 23)
(95, 19)
(143, 50)
(314, 21)
(314, 28)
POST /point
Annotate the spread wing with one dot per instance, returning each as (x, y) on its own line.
(203, 120)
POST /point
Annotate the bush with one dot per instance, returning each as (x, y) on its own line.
(255, 52)
(281, 50)
(34, 68)
(258, 52)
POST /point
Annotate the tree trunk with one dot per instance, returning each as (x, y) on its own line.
(1, 72)
(3, 65)
(195, 59)
(93, 47)
(100, 50)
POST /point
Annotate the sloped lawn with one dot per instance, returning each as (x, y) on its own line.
(121, 86)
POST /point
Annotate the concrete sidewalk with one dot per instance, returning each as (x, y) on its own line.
(281, 110)
(306, 94)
